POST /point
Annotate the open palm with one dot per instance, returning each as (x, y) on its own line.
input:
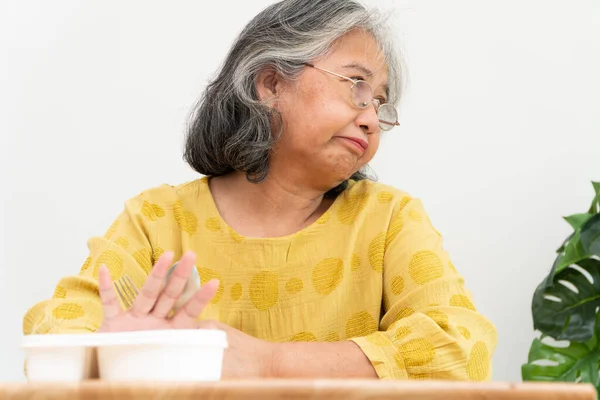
(151, 309)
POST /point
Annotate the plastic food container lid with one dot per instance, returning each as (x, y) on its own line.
(175, 337)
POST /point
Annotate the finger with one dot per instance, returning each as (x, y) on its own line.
(152, 288)
(174, 288)
(187, 315)
(110, 303)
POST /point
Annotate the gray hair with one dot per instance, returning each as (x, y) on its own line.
(230, 129)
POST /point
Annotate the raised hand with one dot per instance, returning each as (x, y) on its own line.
(152, 307)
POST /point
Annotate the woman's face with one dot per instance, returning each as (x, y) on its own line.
(322, 128)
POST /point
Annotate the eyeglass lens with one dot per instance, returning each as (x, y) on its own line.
(362, 96)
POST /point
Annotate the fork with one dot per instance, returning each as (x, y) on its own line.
(126, 290)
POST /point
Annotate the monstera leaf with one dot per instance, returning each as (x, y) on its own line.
(575, 362)
(590, 236)
(575, 249)
(567, 308)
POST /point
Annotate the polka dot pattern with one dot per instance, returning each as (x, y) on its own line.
(478, 365)
(360, 324)
(402, 332)
(403, 313)
(399, 361)
(303, 337)
(397, 285)
(327, 275)
(144, 259)
(113, 262)
(68, 311)
(213, 224)
(352, 207)
(323, 219)
(415, 216)
(417, 352)
(385, 197)
(236, 291)
(460, 300)
(235, 236)
(264, 290)
(464, 332)
(207, 275)
(378, 339)
(294, 285)
(152, 211)
(376, 252)
(59, 293)
(186, 220)
(394, 229)
(355, 262)
(439, 317)
(424, 267)
(404, 201)
(86, 264)
(122, 242)
(157, 252)
(419, 377)
(364, 228)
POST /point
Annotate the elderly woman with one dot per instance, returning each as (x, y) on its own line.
(312, 269)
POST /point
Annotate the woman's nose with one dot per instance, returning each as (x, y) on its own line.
(367, 119)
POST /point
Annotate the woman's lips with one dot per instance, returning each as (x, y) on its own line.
(356, 142)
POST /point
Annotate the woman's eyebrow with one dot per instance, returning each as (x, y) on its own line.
(359, 67)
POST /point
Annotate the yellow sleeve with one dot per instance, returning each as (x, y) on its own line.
(430, 328)
(125, 249)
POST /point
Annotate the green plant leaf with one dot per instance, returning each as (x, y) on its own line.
(565, 243)
(595, 207)
(577, 220)
(568, 315)
(573, 252)
(590, 236)
(577, 362)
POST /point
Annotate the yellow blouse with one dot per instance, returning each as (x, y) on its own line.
(371, 269)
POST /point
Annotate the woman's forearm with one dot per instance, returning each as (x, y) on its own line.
(321, 360)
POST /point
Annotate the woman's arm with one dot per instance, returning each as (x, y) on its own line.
(429, 329)
(320, 360)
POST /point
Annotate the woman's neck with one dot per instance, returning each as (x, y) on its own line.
(274, 207)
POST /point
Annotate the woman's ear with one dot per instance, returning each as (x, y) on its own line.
(268, 86)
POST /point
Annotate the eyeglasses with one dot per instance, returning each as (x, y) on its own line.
(362, 96)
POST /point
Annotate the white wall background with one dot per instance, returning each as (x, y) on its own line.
(500, 135)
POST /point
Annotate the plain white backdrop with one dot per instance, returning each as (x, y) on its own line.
(500, 133)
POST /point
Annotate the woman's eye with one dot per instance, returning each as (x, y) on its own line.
(357, 78)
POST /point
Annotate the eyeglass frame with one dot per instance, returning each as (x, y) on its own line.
(376, 102)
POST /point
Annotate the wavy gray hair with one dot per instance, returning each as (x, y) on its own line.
(230, 129)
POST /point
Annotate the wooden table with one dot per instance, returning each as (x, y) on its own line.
(301, 389)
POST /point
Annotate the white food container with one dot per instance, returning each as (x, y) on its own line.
(173, 355)
(59, 358)
(166, 355)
